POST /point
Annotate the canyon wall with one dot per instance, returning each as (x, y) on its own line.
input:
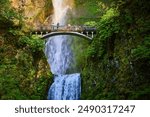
(36, 13)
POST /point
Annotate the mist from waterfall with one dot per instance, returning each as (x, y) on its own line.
(60, 58)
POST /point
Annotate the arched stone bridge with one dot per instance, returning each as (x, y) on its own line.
(81, 31)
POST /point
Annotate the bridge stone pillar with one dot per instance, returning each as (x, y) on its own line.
(92, 34)
(87, 33)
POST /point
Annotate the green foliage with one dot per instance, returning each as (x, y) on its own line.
(106, 27)
(86, 11)
(24, 72)
(108, 24)
(119, 56)
(143, 50)
(41, 88)
(33, 43)
(91, 23)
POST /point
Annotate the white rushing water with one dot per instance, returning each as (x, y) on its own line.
(60, 58)
(65, 87)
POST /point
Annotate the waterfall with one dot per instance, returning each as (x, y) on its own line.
(60, 58)
(65, 87)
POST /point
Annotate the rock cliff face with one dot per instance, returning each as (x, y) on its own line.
(36, 13)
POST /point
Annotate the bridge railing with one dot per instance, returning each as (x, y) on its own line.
(54, 28)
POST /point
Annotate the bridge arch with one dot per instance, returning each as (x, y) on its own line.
(51, 34)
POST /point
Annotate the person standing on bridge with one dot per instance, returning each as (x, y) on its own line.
(57, 26)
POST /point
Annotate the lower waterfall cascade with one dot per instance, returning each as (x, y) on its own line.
(65, 87)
